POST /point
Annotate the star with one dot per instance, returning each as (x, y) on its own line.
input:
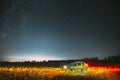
(4, 35)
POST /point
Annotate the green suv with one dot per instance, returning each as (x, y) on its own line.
(76, 68)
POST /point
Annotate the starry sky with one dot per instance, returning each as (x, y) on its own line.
(59, 29)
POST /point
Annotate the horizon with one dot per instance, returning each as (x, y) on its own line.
(39, 59)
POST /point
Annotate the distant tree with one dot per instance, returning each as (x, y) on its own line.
(33, 60)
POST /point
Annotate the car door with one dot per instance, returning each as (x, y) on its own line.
(74, 66)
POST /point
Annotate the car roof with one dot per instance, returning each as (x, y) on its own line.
(78, 62)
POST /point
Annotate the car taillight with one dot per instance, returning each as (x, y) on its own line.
(86, 64)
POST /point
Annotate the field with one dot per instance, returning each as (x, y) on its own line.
(50, 73)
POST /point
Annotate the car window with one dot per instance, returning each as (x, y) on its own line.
(79, 64)
(76, 64)
(73, 64)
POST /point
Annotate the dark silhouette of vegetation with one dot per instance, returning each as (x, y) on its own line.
(113, 60)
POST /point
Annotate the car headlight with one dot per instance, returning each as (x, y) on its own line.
(65, 67)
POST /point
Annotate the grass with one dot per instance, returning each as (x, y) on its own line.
(50, 73)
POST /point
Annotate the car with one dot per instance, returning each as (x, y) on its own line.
(76, 68)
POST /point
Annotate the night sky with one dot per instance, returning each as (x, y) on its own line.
(59, 29)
